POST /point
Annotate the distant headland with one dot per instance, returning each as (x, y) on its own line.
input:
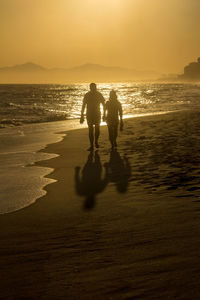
(191, 71)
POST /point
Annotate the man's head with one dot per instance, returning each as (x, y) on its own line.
(93, 87)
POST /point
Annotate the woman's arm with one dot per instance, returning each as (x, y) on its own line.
(121, 117)
(120, 111)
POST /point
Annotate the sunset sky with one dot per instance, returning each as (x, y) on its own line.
(160, 35)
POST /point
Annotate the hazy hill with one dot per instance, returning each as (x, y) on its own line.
(112, 71)
(33, 73)
(27, 67)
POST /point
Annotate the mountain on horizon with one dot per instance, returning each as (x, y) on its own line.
(86, 72)
(28, 66)
(90, 66)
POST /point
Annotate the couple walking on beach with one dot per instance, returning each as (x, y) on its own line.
(112, 111)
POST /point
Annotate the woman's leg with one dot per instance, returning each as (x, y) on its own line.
(110, 133)
(115, 134)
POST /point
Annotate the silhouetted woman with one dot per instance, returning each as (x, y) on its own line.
(113, 110)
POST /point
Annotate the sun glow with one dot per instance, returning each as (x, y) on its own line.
(140, 34)
(102, 7)
(103, 2)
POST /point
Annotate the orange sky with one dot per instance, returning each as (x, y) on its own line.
(160, 35)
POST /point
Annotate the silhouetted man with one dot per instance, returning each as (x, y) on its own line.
(92, 101)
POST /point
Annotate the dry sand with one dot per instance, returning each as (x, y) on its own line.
(126, 226)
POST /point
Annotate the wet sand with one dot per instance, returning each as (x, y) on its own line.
(119, 224)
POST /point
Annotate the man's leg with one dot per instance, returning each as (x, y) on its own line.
(97, 133)
(91, 136)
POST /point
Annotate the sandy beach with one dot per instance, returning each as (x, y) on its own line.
(119, 224)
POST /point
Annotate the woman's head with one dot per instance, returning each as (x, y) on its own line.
(113, 95)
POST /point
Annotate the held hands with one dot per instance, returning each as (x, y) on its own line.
(81, 119)
(104, 118)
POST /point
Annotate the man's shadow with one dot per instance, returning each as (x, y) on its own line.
(119, 171)
(89, 182)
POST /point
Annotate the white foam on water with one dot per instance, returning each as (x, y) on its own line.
(21, 183)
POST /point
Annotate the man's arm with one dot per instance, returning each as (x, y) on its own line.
(82, 110)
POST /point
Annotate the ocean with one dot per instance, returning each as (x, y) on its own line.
(32, 115)
(24, 104)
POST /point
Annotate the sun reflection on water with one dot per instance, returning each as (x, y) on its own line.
(45, 103)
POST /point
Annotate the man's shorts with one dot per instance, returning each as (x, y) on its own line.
(94, 120)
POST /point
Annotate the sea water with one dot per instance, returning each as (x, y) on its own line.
(32, 116)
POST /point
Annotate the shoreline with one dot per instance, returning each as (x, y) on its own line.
(139, 232)
(33, 154)
(75, 121)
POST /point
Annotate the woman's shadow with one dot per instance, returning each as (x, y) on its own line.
(119, 170)
(89, 182)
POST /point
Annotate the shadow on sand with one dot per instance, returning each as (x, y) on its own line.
(119, 171)
(94, 178)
